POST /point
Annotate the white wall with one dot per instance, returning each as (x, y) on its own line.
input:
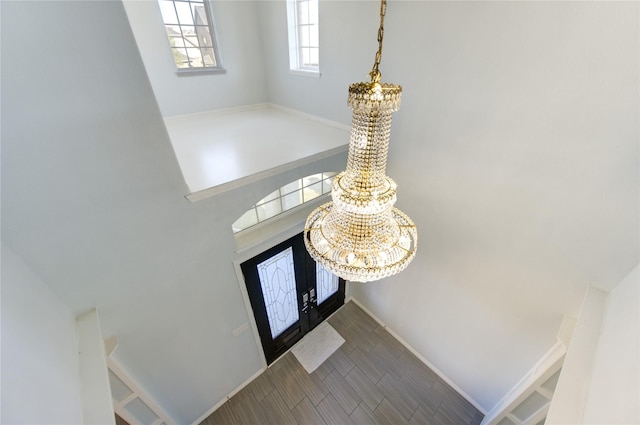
(515, 152)
(340, 63)
(40, 366)
(614, 392)
(93, 200)
(239, 42)
(570, 395)
(97, 403)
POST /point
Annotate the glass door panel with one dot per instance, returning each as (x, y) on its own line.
(278, 283)
(326, 282)
(289, 295)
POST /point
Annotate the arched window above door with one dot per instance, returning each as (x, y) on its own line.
(289, 196)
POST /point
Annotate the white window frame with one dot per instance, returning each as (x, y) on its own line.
(216, 68)
(305, 189)
(296, 65)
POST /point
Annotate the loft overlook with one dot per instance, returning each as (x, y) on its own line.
(516, 153)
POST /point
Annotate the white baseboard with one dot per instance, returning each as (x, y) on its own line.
(221, 111)
(251, 378)
(225, 399)
(315, 118)
(395, 335)
(431, 366)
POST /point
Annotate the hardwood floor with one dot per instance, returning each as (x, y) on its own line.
(370, 379)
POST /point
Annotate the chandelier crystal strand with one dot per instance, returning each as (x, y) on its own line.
(360, 236)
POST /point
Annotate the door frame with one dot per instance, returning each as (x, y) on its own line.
(274, 347)
(248, 254)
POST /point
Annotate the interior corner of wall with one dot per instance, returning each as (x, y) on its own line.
(111, 344)
(571, 393)
(566, 329)
(97, 404)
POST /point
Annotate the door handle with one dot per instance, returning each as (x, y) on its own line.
(305, 302)
(313, 297)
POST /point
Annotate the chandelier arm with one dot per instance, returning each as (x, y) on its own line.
(375, 74)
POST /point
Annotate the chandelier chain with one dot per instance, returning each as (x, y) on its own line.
(359, 235)
(375, 71)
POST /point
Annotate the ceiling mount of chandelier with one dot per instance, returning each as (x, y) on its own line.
(359, 235)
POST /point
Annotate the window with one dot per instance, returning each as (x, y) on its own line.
(287, 197)
(189, 27)
(304, 45)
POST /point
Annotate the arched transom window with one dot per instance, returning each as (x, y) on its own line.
(286, 198)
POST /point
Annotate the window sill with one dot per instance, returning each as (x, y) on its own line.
(305, 73)
(185, 72)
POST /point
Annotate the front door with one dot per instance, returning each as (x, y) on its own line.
(290, 294)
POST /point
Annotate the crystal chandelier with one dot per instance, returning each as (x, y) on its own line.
(359, 235)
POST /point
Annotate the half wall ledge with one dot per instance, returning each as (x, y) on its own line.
(225, 149)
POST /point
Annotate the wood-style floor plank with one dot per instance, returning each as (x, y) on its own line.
(396, 393)
(454, 400)
(387, 414)
(343, 392)
(306, 413)
(365, 388)
(341, 362)
(388, 342)
(332, 412)
(315, 389)
(247, 409)
(373, 369)
(274, 410)
(287, 385)
(423, 417)
(362, 415)
(323, 370)
(388, 361)
(224, 415)
(371, 379)
(261, 386)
